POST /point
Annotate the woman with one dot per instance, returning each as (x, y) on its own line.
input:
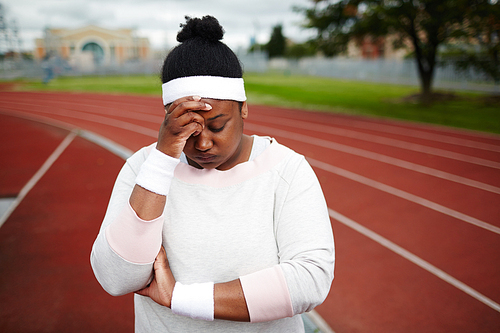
(242, 219)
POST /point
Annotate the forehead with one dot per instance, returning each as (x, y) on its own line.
(220, 108)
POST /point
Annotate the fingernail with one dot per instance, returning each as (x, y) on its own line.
(196, 98)
(208, 106)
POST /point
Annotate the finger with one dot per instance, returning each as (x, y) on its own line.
(162, 268)
(170, 107)
(191, 117)
(146, 291)
(181, 126)
(162, 254)
(161, 260)
(192, 129)
(190, 123)
(190, 106)
(143, 292)
(177, 109)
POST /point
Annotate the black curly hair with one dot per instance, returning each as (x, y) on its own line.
(201, 52)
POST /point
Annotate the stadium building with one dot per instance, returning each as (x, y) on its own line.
(92, 45)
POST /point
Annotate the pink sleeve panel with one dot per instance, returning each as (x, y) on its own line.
(266, 294)
(133, 238)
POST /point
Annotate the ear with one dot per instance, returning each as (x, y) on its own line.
(244, 110)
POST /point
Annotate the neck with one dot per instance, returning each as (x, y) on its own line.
(242, 154)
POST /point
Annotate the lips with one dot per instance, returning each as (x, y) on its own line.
(203, 159)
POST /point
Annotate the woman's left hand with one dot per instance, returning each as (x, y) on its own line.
(161, 288)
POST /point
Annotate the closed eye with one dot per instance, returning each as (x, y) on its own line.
(215, 130)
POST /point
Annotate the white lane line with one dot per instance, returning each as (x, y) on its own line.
(39, 174)
(424, 135)
(307, 139)
(5, 203)
(383, 241)
(375, 156)
(319, 128)
(106, 144)
(324, 143)
(38, 118)
(106, 121)
(404, 195)
(99, 119)
(380, 140)
(386, 188)
(90, 102)
(414, 259)
(385, 129)
(316, 127)
(321, 326)
(319, 142)
(301, 124)
(99, 110)
(112, 146)
(416, 133)
(395, 129)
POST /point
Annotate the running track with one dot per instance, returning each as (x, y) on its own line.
(415, 211)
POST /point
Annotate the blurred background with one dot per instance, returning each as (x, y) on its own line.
(444, 44)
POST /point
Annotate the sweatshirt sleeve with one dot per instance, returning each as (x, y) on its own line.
(119, 274)
(304, 236)
(305, 240)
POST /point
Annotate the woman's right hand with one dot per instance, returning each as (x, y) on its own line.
(181, 121)
(162, 286)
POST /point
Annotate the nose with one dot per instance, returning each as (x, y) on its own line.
(203, 141)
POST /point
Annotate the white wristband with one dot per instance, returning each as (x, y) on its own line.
(156, 172)
(194, 300)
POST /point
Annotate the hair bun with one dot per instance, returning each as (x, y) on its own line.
(206, 28)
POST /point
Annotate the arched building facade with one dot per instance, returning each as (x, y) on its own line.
(92, 43)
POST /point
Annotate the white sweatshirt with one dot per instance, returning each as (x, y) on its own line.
(264, 221)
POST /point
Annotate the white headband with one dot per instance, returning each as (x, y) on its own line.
(215, 87)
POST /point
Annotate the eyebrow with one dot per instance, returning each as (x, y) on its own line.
(217, 116)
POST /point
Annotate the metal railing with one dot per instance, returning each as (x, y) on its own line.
(402, 72)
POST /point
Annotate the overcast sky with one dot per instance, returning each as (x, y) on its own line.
(159, 19)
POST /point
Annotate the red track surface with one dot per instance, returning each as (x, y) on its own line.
(415, 211)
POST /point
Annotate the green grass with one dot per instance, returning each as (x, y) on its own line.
(137, 85)
(468, 110)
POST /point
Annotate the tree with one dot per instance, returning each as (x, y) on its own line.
(424, 24)
(277, 43)
(479, 47)
(297, 51)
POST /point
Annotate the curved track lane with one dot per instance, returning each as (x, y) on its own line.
(415, 208)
